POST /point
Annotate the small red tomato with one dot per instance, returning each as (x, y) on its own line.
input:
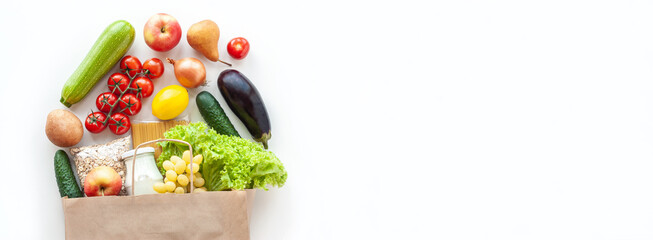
(153, 68)
(130, 65)
(104, 101)
(95, 122)
(119, 80)
(119, 123)
(142, 87)
(238, 48)
(130, 104)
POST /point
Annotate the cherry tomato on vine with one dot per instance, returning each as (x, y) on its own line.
(104, 101)
(238, 48)
(119, 123)
(154, 68)
(95, 122)
(130, 104)
(142, 87)
(118, 80)
(130, 65)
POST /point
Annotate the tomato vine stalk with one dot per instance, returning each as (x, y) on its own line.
(128, 105)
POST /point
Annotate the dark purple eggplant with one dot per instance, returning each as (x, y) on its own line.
(245, 101)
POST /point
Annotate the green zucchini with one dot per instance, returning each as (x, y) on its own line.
(112, 44)
(214, 115)
(65, 177)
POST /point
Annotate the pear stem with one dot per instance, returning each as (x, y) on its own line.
(228, 64)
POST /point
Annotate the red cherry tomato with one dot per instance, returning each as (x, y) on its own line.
(154, 68)
(238, 48)
(95, 122)
(104, 101)
(119, 80)
(119, 123)
(142, 87)
(130, 104)
(130, 65)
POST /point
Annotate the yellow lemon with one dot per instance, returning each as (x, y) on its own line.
(170, 102)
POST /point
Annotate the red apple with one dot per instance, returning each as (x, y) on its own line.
(102, 181)
(162, 32)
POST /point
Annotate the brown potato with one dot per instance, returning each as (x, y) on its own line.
(63, 128)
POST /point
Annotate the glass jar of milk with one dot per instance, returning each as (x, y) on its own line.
(145, 171)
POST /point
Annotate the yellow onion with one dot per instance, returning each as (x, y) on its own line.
(190, 72)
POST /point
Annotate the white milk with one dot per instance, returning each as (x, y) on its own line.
(145, 171)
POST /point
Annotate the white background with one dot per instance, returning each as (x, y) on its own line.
(395, 120)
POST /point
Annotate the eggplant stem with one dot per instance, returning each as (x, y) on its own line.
(264, 139)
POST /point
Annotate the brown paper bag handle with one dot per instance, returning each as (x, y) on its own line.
(190, 148)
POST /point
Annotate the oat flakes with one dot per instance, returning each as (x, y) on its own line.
(88, 157)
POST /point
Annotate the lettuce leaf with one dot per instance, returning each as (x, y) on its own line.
(230, 162)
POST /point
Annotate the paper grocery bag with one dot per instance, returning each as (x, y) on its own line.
(251, 193)
(207, 215)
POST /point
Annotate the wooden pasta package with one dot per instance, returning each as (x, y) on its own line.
(150, 130)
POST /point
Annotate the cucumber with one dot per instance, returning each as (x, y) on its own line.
(65, 176)
(214, 115)
(112, 44)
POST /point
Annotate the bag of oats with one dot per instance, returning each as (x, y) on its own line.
(88, 157)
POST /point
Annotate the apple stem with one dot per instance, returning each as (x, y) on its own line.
(228, 64)
(102, 191)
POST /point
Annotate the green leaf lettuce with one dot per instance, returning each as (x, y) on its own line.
(230, 162)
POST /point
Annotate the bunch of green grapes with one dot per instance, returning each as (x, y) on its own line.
(178, 175)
